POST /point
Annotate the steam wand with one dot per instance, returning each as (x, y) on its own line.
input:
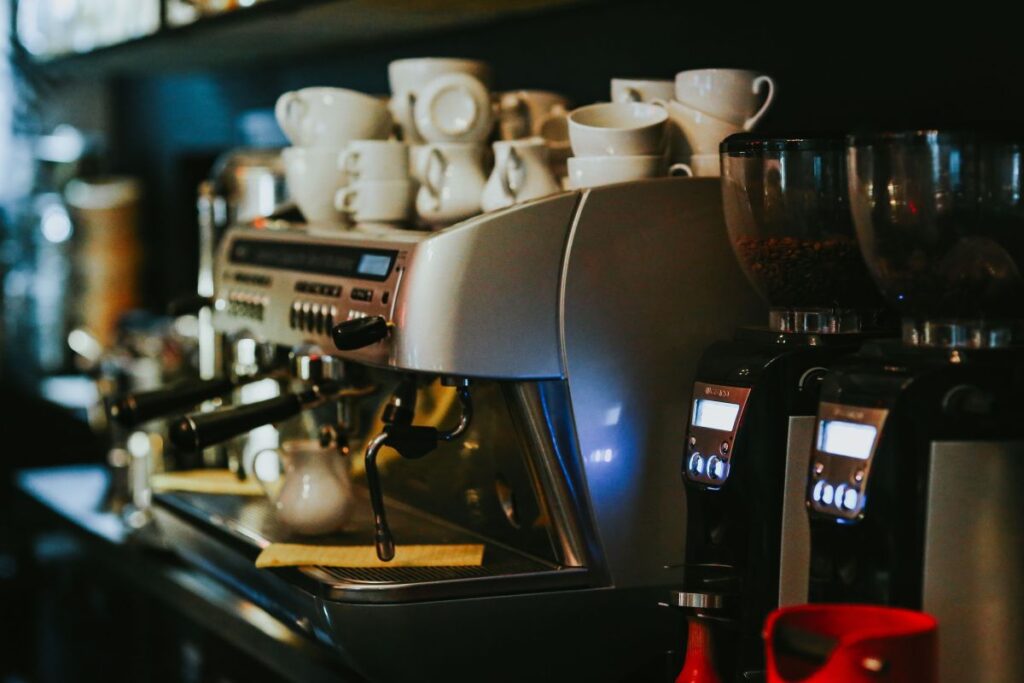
(412, 442)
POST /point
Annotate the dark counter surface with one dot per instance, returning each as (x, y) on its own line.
(71, 500)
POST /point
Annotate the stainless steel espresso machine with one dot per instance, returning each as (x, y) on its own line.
(515, 381)
(756, 394)
(918, 464)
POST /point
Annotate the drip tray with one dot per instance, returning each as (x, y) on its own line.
(249, 524)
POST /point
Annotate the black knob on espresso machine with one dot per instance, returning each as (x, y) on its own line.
(359, 332)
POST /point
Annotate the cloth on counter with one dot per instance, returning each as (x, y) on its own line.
(297, 555)
(224, 482)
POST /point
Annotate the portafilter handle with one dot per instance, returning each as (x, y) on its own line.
(201, 430)
(132, 409)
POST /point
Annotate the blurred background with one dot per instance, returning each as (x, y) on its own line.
(113, 111)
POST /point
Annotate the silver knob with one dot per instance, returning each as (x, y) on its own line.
(697, 600)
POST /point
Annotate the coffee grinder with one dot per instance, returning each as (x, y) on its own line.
(785, 203)
(917, 467)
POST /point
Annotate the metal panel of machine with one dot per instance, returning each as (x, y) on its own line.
(650, 281)
(503, 270)
(795, 558)
(974, 559)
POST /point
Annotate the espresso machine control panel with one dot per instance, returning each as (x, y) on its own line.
(846, 439)
(714, 420)
(293, 287)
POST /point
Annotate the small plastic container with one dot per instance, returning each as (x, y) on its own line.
(850, 644)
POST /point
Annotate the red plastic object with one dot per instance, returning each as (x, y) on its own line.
(698, 666)
(871, 645)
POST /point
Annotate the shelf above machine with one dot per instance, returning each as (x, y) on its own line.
(275, 29)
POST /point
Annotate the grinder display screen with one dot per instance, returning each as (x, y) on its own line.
(324, 259)
(851, 439)
(715, 414)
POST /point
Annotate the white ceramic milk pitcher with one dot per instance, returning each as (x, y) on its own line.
(308, 486)
(521, 172)
(452, 180)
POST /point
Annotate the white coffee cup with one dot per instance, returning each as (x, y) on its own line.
(701, 132)
(529, 113)
(452, 182)
(375, 160)
(331, 117)
(595, 171)
(699, 166)
(314, 176)
(408, 76)
(642, 90)
(732, 95)
(617, 128)
(521, 172)
(413, 73)
(376, 201)
(454, 108)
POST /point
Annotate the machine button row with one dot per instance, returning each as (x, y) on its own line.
(318, 288)
(714, 468)
(842, 496)
(245, 305)
(360, 294)
(312, 317)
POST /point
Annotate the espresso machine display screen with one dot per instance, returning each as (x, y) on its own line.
(850, 439)
(715, 414)
(370, 264)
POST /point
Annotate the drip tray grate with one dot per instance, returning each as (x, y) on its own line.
(392, 575)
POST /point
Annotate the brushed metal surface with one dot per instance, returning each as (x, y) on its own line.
(795, 557)
(540, 411)
(650, 280)
(700, 601)
(280, 295)
(481, 299)
(974, 559)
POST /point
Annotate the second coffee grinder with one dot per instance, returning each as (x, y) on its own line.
(918, 460)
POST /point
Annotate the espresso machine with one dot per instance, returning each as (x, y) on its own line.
(918, 458)
(513, 381)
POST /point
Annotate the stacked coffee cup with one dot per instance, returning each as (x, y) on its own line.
(614, 142)
(320, 123)
(708, 106)
(378, 190)
(443, 109)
